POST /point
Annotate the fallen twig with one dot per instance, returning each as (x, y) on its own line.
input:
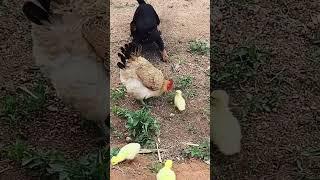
(191, 144)
(5, 169)
(23, 88)
(147, 151)
(159, 155)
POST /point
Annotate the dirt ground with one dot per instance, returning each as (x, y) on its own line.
(273, 142)
(55, 127)
(58, 125)
(178, 27)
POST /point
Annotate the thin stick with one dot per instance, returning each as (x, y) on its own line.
(23, 88)
(147, 151)
(191, 144)
(159, 155)
(5, 169)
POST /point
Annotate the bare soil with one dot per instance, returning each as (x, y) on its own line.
(52, 128)
(181, 22)
(58, 125)
(273, 142)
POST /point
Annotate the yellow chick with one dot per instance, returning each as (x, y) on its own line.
(127, 152)
(166, 173)
(179, 102)
(226, 128)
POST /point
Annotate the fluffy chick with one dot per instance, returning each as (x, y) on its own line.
(166, 173)
(127, 152)
(179, 101)
(226, 128)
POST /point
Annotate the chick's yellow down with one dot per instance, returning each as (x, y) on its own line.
(226, 128)
(179, 101)
(127, 152)
(166, 173)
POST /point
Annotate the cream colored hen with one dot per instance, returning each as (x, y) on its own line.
(141, 78)
(70, 46)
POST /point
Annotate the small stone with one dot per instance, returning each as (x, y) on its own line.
(171, 114)
(73, 130)
(52, 108)
(128, 139)
(313, 107)
(23, 80)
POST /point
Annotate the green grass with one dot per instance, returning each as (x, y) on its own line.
(155, 167)
(118, 134)
(21, 105)
(53, 165)
(199, 47)
(170, 97)
(17, 151)
(315, 152)
(114, 152)
(201, 152)
(184, 82)
(244, 65)
(261, 102)
(141, 125)
(118, 93)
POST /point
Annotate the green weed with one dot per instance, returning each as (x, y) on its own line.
(114, 152)
(155, 167)
(184, 82)
(118, 93)
(170, 97)
(201, 152)
(17, 151)
(141, 125)
(22, 104)
(53, 165)
(265, 102)
(199, 47)
(244, 65)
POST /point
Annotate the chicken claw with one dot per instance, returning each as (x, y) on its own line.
(165, 56)
(144, 104)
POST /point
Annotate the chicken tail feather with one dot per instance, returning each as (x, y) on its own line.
(120, 65)
(141, 2)
(123, 59)
(127, 51)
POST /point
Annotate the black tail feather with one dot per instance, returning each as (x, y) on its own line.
(141, 2)
(45, 4)
(35, 13)
(123, 59)
(126, 52)
(120, 65)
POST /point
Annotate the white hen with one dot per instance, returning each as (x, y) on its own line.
(70, 46)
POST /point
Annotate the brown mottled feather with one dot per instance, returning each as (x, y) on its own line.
(95, 32)
(150, 76)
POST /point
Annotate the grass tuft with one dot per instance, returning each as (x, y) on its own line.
(141, 125)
